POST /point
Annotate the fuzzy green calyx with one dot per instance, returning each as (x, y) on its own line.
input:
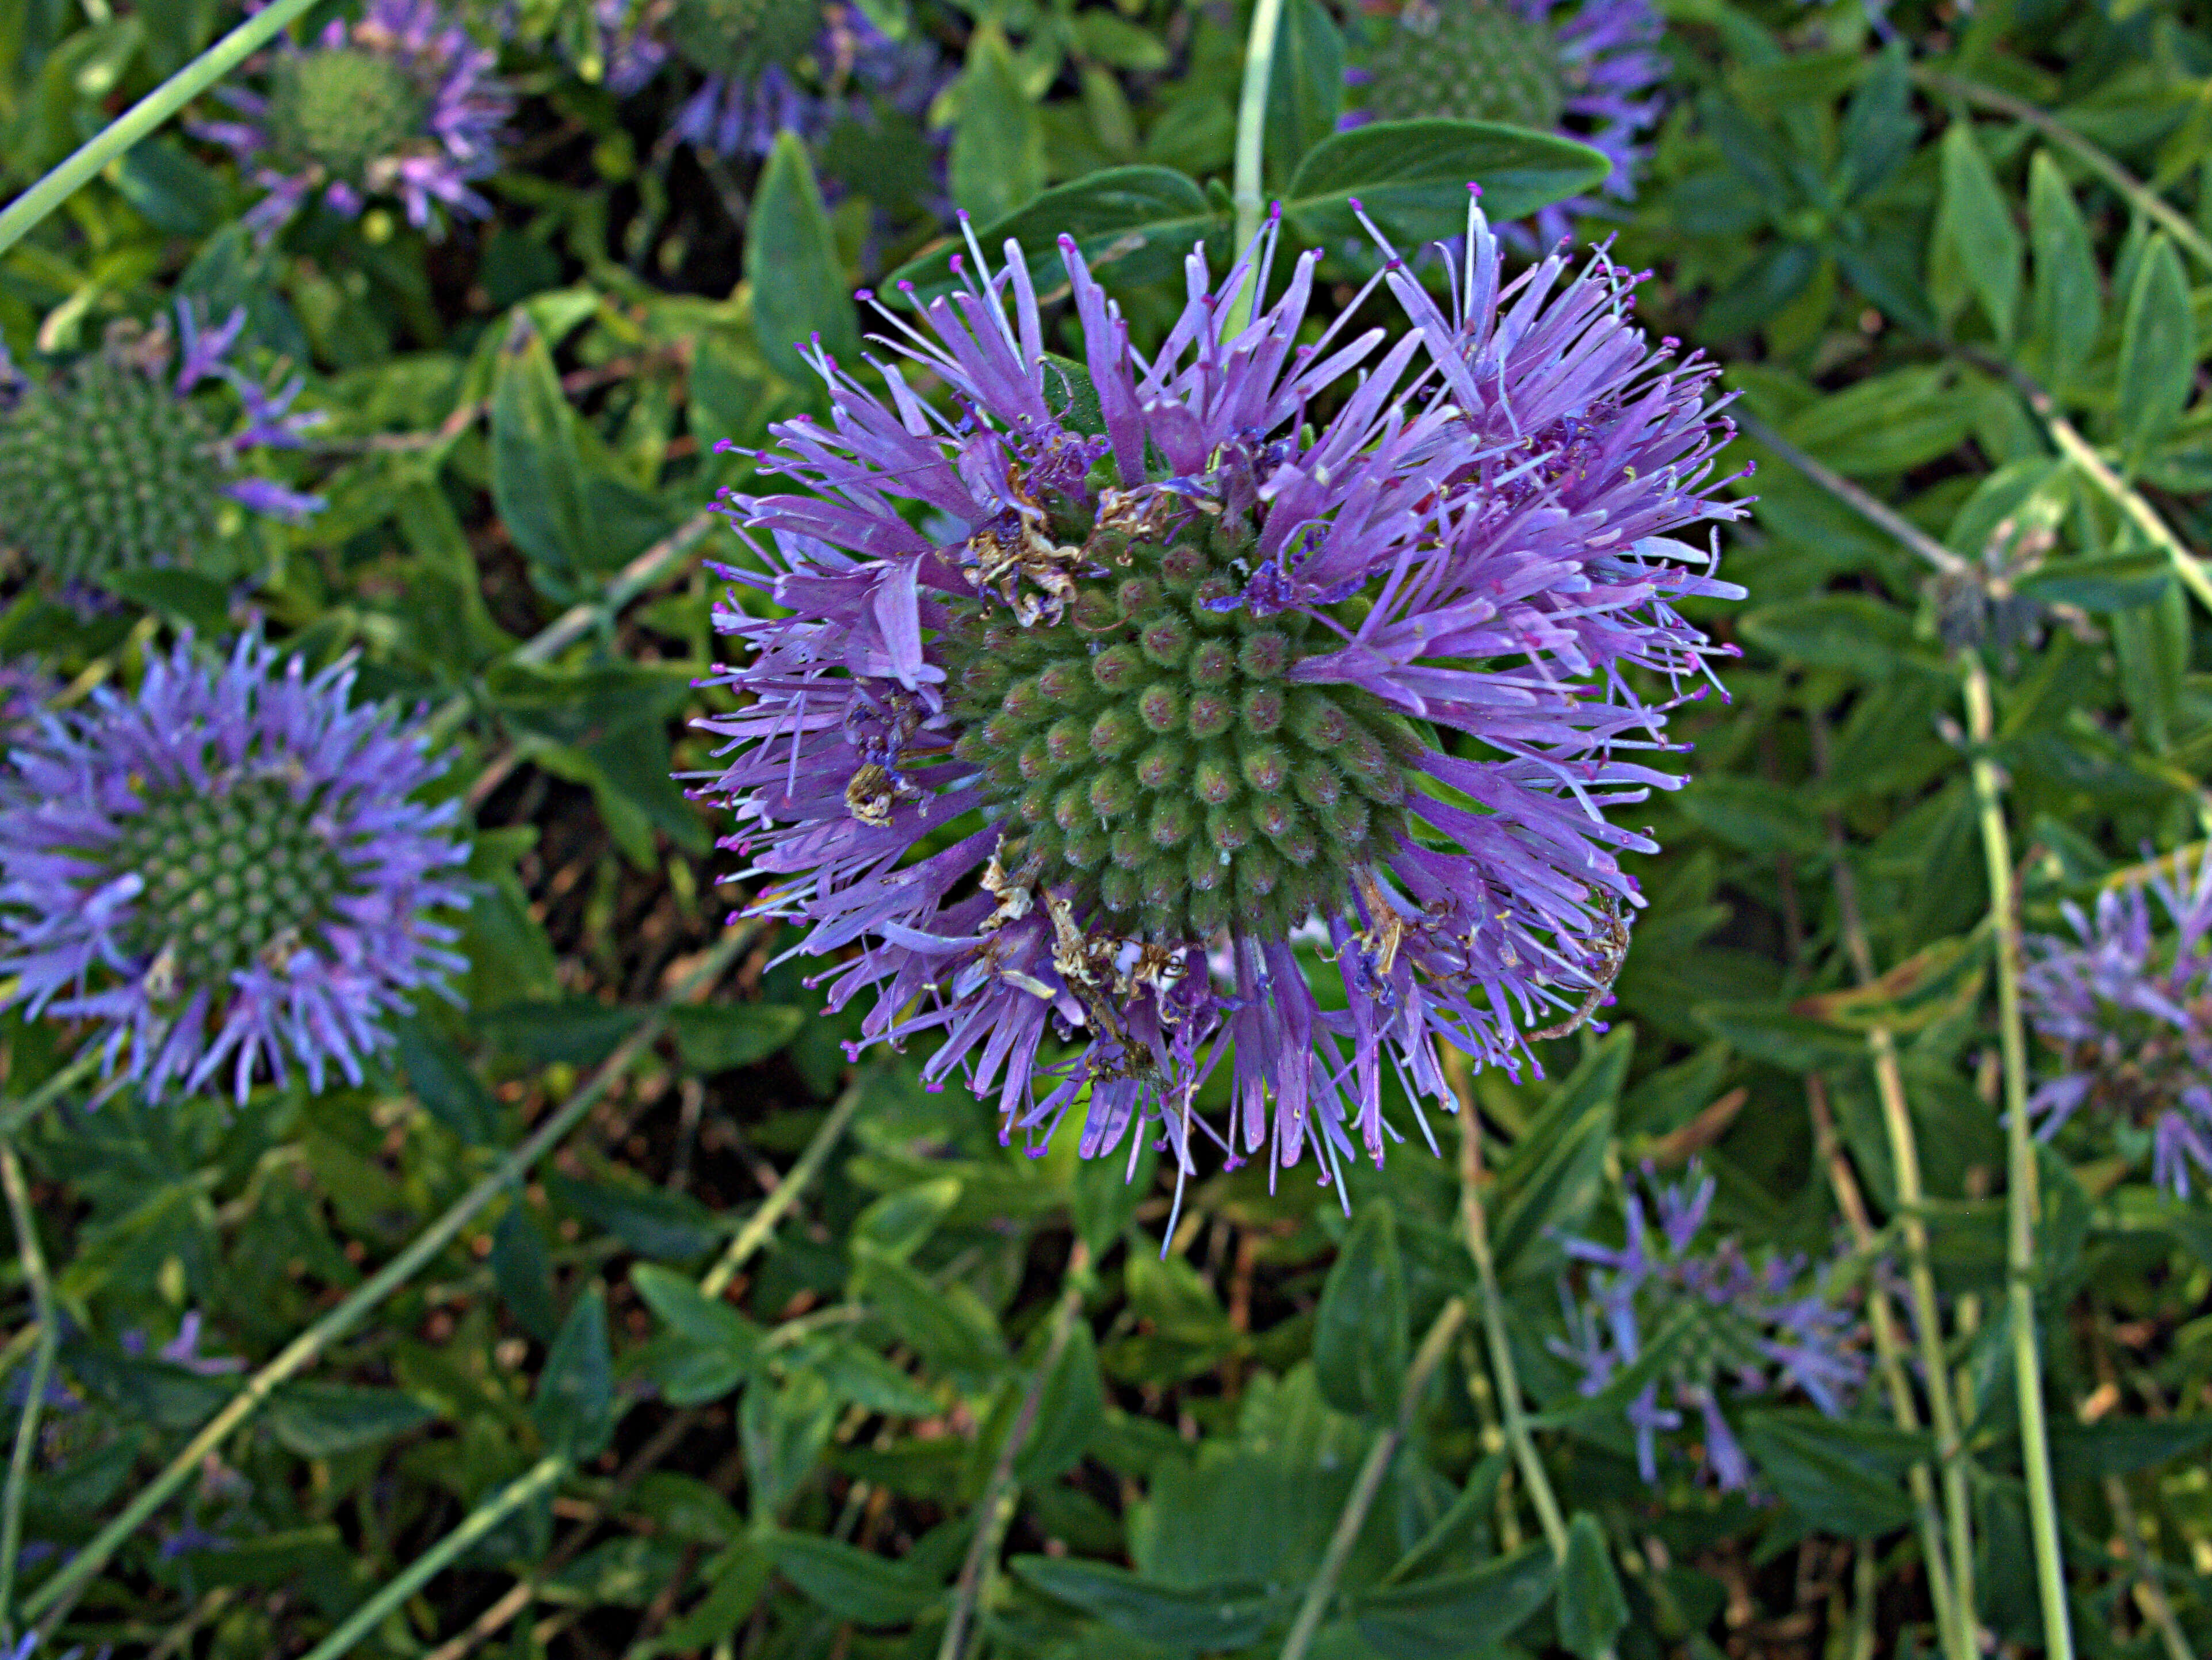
(232, 875)
(1148, 753)
(741, 38)
(108, 470)
(344, 109)
(1470, 60)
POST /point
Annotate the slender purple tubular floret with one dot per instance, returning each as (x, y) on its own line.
(227, 871)
(1206, 661)
(2129, 1014)
(401, 104)
(1757, 1327)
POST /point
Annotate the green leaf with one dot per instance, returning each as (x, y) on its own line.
(1777, 1037)
(1133, 225)
(862, 1376)
(2158, 351)
(799, 284)
(1229, 1616)
(575, 1410)
(1411, 178)
(853, 1584)
(2068, 306)
(1071, 1406)
(722, 1036)
(1457, 1614)
(577, 1031)
(1361, 1339)
(320, 1420)
(997, 161)
(1754, 815)
(652, 1221)
(176, 193)
(1849, 631)
(1885, 423)
(536, 468)
(898, 1223)
(184, 596)
(1552, 1177)
(950, 1328)
(715, 1345)
(1847, 1479)
(2101, 582)
(522, 1268)
(2121, 1446)
(1976, 221)
(1305, 87)
(445, 1083)
(1592, 1608)
(783, 1430)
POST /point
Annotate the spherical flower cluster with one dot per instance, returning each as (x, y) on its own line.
(1588, 69)
(118, 463)
(768, 66)
(226, 871)
(2129, 1015)
(1201, 658)
(399, 104)
(1722, 1320)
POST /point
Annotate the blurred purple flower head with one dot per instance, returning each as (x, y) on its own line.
(1213, 663)
(118, 462)
(1725, 1321)
(1587, 69)
(226, 871)
(2129, 1014)
(400, 104)
(768, 66)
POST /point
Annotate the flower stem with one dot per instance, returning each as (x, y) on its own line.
(996, 1512)
(540, 1477)
(1911, 1207)
(761, 1223)
(1952, 1632)
(52, 1599)
(119, 135)
(1321, 1590)
(2138, 195)
(33, 1257)
(1502, 1369)
(2019, 1233)
(1251, 142)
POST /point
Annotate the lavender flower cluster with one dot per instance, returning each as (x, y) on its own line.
(226, 871)
(1725, 1321)
(2128, 1012)
(1331, 640)
(766, 66)
(400, 103)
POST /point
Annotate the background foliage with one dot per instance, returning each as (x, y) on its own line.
(775, 1354)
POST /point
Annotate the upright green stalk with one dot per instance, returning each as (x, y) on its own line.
(540, 1478)
(33, 1257)
(1321, 1591)
(1503, 1371)
(2019, 1232)
(1251, 143)
(119, 135)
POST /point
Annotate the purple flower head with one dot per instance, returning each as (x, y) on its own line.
(400, 104)
(1587, 69)
(768, 66)
(1723, 1319)
(2128, 1013)
(1213, 662)
(122, 461)
(227, 872)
